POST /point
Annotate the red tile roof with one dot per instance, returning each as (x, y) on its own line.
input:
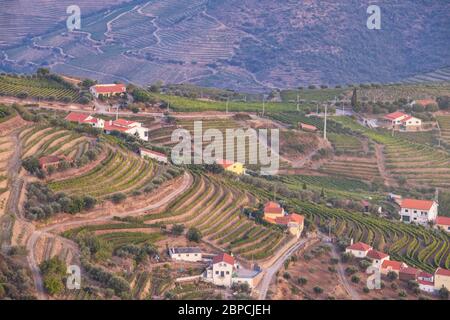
(395, 115)
(307, 127)
(123, 122)
(76, 117)
(424, 274)
(425, 283)
(152, 152)
(272, 207)
(374, 254)
(391, 264)
(290, 218)
(113, 127)
(444, 221)
(442, 272)
(110, 88)
(410, 271)
(360, 246)
(223, 257)
(417, 204)
(224, 163)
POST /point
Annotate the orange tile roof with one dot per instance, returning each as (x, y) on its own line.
(224, 163)
(395, 115)
(307, 126)
(394, 265)
(442, 272)
(417, 204)
(223, 257)
(410, 271)
(359, 246)
(76, 117)
(425, 283)
(272, 207)
(444, 221)
(123, 122)
(152, 152)
(110, 88)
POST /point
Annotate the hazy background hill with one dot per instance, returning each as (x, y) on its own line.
(238, 44)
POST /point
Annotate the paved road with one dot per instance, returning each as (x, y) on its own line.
(270, 272)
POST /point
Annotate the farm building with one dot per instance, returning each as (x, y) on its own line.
(408, 273)
(442, 279)
(443, 223)
(107, 90)
(377, 258)
(158, 156)
(402, 121)
(224, 271)
(129, 127)
(294, 223)
(423, 102)
(392, 266)
(418, 211)
(307, 127)
(52, 161)
(358, 249)
(230, 166)
(272, 211)
(189, 254)
(83, 118)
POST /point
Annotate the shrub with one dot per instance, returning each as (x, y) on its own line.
(392, 275)
(302, 281)
(355, 279)
(318, 290)
(118, 197)
(194, 235)
(177, 229)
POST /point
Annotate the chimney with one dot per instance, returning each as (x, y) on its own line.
(351, 241)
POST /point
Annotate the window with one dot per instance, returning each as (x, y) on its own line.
(217, 272)
(406, 210)
(228, 272)
(415, 211)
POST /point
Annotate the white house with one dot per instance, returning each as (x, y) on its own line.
(377, 258)
(359, 249)
(418, 211)
(107, 90)
(220, 272)
(188, 254)
(395, 119)
(129, 127)
(224, 271)
(411, 123)
(426, 282)
(161, 157)
(443, 223)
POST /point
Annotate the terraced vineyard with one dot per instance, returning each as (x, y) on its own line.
(214, 207)
(352, 167)
(417, 163)
(444, 124)
(120, 171)
(6, 150)
(37, 88)
(346, 143)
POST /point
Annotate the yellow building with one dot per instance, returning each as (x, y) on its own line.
(233, 167)
(442, 279)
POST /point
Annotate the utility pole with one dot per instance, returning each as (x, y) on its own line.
(228, 101)
(317, 112)
(325, 122)
(264, 104)
(298, 102)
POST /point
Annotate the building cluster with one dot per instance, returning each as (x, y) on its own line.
(275, 214)
(402, 121)
(223, 270)
(121, 125)
(54, 161)
(430, 283)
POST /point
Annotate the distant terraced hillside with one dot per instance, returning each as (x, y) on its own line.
(247, 45)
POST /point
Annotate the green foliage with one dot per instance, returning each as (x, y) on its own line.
(53, 271)
(194, 235)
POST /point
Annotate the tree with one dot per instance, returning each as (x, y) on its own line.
(89, 202)
(392, 275)
(302, 281)
(194, 235)
(318, 290)
(354, 100)
(443, 293)
(177, 229)
(118, 197)
(42, 72)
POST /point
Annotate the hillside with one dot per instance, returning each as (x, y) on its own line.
(247, 45)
